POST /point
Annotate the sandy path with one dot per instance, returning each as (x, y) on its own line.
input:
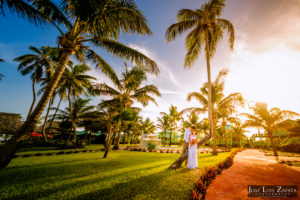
(251, 167)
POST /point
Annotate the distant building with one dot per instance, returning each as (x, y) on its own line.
(9, 123)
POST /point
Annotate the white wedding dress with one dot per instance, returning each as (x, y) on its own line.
(193, 158)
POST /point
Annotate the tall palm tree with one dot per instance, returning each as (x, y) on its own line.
(164, 124)
(79, 23)
(1, 75)
(268, 119)
(76, 82)
(128, 90)
(37, 64)
(174, 117)
(207, 30)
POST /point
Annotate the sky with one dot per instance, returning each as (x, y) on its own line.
(264, 65)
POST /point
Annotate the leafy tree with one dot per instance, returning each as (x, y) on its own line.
(268, 119)
(79, 23)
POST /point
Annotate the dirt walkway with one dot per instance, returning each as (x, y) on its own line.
(251, 167)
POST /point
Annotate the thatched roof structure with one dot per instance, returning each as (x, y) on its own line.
(9, 122)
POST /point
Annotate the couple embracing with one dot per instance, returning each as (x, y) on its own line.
(190, 145)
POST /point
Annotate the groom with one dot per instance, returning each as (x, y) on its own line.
(187, 134)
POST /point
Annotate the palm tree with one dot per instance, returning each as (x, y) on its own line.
(81, 112)
(76, 82)
(207, 31)
(193, 120)
(38, 64)
(174, 117)
(1, 75)
(23, 9)
(164, 124)
(238, 131)
(128, 90)
(220, 104)
(269, 120)
(78, 23)
(147, 126)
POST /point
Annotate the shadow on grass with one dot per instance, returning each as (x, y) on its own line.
(146, 187)
(40, 193)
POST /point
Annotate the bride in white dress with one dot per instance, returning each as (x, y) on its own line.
(193, 158)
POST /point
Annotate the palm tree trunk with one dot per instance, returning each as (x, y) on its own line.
(177, 164)
(58, 105)
(170, 143)
(117, 141)
(210, 109)
(108, 143)
(71, 115)
(272, 143)
(8, 150)
(45, 120)
(34, 98)
(124, 138)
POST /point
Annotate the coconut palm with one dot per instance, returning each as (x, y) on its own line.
(79, 23)
(1, 75)
(174, 117)
(81, 112)
(222, 106)
(114, 114)
(37, 64)
(76, 82)
(268, 119)
(193, 120)
(147, 126)
(24, 9)
(238, 130)
(207, 30)
(164, 124)
(127, 90)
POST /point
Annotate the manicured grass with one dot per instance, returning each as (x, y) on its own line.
(35, 150)
(123, 175)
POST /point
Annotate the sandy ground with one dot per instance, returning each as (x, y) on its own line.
(251, 167)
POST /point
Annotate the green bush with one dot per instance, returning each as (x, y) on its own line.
(151, 146)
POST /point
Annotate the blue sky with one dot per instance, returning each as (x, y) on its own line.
(264, 65)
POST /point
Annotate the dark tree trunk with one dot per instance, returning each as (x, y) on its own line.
(177, 164)
(124, 138)
(45, 120)
(108, 143)
(34, 98)
(71, 115)
(53, 118)
(117, 141)
(272, 143)
(8, 150)
(170, 142)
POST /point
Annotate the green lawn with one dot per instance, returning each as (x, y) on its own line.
(123, 175)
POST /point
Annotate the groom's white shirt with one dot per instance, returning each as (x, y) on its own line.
(187, 134)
